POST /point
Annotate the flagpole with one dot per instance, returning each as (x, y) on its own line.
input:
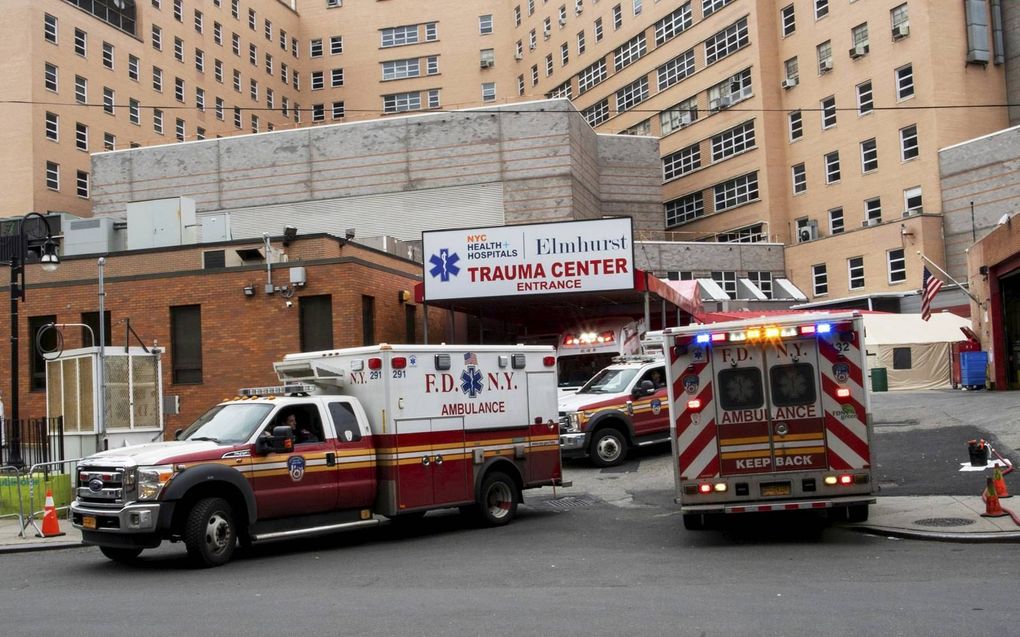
(946, 274)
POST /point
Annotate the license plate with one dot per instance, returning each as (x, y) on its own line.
(88, 521)
(778, 488)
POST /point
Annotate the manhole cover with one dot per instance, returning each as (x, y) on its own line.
(571, 502)
(944, 522)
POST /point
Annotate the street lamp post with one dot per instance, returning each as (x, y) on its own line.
(49, 262)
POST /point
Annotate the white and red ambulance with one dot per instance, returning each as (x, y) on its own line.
(770, 414)
(587, 348)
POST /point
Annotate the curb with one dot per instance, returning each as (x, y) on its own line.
(1003, 537)
(38, 546)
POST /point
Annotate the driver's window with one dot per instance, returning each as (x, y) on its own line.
(656, 376)
(303, 419)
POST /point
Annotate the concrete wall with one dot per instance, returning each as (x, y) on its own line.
(983, 171)
(536, 162)
(702, 258)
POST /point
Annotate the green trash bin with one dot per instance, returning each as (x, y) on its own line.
(879, 379)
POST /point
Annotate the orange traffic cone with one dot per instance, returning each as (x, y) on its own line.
(50, 525)
(1000, 484)
(992, 507)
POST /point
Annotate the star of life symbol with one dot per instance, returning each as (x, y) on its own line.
(471, 381)
(444, 265)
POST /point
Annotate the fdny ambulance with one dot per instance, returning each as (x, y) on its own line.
(353, 435)
(584, 350)
(770, 415)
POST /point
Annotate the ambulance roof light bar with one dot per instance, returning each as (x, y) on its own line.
(277, 390)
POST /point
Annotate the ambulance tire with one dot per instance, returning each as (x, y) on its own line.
(497, 500)
(210, 533)
(857, 513)
(121, 555)
(695, 521)
(608, 448)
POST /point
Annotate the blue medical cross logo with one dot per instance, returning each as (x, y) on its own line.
(444, 265)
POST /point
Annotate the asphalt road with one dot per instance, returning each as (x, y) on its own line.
(608, 556)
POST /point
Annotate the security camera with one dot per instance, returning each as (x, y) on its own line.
(288, 304)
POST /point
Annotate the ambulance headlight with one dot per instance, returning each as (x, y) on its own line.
(573, 422)
(151, 480)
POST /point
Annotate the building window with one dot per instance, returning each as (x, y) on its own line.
(52, 127)
(832, 174)
(218, 108)
(251, 19)
(237, 80)
(872, 211)
(591, 76)
(398, 36)
(682, 275)
(908, 142)
(109, 100)
(81, 89)
(269, 64)
(580, 42)
(763, 281)
(53, 175)
(520, 85)
(180, 130)
(179, 89)
(598, 30)
(133, 66)
(253, 55)
(733, 141)
(563, 90)
(431, 65)
(318, 81)
(367, 320)
(865, 98)
(617, 17)
(836, 225)
(488, 91)
(433, 98)
(48, 343)
(788, 18)
(401, 102)
(869, 155)
(157, 38)
(736, 192)
(485, 24)
(564, 54)
(82, 184)
(199, 61)
(315, 48)
(597, 113)
(336, 77)
(107, 55)
(679, 116)
(81, 42)
(821, 9)
(431, 32)
(820, 279)
(726, 41)
(517, 23)
(897, 266)
(828, 106)
(178, 49)
(534, 74)
(410, 323)
(235, 43)
(905, 82)
(253, 89)
(179, 10)
(900, 18)
(157, 121)
(799, 179)
(727, 280)
(395, 70)
(792, 69)
(631, 95)
(796, 125)
(109, 141)
(217, 33)
(708, 7)
(50, 77)
(91, 319)
(186, 344)
(681, 162)
(824, 53)
(237, 117)
(50, 28)
(912, 201)
(675, 70)
(315, 320)
(268, 30)
(629, 52)
(749, 234)
(673, 25)
(855, 266)
(684, 209)
(338, 110)
(200, 99)
(730, 91)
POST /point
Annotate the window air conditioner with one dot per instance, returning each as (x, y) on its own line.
(547, 32)
(685, 120)
(911, 212)
(486, 64)
(789, 82)
(859, 51)
(578, 9)
(531, 46)
(563, 22)
(900, 31)
(808, 232)
(518, 56)
(723, 102)
(825, 66)
(871, 222)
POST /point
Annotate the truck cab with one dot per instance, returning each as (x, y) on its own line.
(622, 406)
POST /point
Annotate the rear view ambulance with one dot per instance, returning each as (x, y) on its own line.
(770, 415)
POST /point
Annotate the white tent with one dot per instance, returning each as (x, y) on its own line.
(916, 354)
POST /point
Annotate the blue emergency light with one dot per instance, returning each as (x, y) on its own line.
(704, 338)
(823, 328)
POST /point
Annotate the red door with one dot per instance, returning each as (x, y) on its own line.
(414, 463)
(450, 464)
(795, 406)
(355, 456)
(651, 413)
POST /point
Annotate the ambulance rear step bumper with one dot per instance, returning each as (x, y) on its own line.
(782, 505)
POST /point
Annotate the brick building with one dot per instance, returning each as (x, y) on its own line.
(217, 335)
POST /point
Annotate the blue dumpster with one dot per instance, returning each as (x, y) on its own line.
(973, 367)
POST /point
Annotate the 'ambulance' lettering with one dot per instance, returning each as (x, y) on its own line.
(797, 411)
(743, 415)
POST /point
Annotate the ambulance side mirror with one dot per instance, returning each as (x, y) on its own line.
(281, 441)
(644, 388)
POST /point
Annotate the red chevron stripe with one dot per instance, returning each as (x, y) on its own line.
(703, 439)
(838, 429)
(829, 386)
(830, 353)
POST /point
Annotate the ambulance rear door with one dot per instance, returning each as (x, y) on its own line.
(741, 413)
(797, 427)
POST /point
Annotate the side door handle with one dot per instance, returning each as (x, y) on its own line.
(425, 460)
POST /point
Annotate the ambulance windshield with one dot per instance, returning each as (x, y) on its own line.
(229, 424)
(611, 380)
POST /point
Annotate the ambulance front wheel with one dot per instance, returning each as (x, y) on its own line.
(608, 448)
(498, 499)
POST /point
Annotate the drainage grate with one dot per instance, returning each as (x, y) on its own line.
(944, 522)
(571, 502)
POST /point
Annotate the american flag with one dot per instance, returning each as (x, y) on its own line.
(932, 285)
(470, 359)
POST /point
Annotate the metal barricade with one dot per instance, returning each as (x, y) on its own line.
(10, 493)
(44, 470)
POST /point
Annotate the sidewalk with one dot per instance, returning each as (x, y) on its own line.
(940, 518)
(11, 542)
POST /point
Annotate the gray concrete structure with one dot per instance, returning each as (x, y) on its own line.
(525, 163)
(983, 171)
(701, 258)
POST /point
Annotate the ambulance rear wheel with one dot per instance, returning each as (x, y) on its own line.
(498, 499)
(121, 555)
(608, 448)
(857, 513)
(695, 521)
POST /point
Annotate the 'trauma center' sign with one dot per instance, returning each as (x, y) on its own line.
(573, 256)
